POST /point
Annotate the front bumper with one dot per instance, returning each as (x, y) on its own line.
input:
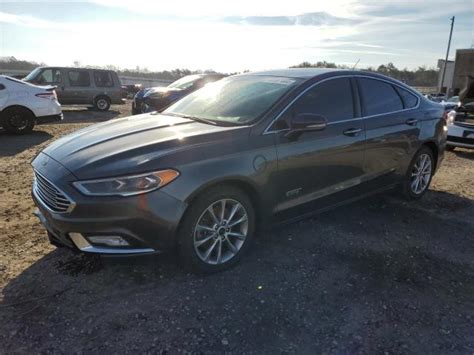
(147, 222)
(461, 135)
(137, 108)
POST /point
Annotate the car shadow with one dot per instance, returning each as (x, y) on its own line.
(366, 274)
(74, 114)
(12, 144)
(465, 153)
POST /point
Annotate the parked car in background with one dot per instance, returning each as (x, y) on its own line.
(460, 130)
(461, 120)
(131, 90)
(252, 148)
(22, 105)
(138, 105)
(436, 96)
(451, 103)
(81, 86)
(158, 98)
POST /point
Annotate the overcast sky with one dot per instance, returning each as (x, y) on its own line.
(233, 35)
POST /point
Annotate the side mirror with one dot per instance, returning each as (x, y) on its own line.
(306, 122)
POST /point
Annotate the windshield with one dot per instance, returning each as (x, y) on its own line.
(185, 82)
(237, 99)
(32, 75)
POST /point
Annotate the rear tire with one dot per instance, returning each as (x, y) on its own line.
(102, 103)
(212, 238)
(18, 120)
(419, 174)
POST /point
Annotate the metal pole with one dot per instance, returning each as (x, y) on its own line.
(447, 54)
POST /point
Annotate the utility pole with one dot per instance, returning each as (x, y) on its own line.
(447, 54)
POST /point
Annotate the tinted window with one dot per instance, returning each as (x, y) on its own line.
(79, 78)
(103, 79)
(379, 97)
(409, 100)
(331, 99)
(48, 76)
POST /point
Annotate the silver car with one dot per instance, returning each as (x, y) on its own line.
(80, 86)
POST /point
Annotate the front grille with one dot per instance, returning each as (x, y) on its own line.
(51, 196)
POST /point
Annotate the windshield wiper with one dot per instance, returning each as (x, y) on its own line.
(197, 119)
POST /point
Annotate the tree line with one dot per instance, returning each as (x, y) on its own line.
(421, 76)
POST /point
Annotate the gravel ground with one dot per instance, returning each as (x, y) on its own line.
(376, 276)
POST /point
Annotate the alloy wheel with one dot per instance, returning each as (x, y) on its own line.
(220, 231)
(18, 121)
(421, 174)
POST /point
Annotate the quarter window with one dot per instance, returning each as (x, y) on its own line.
(409, 100)
(79, 78)
(331, 99)
(379, 97)
(103, 79)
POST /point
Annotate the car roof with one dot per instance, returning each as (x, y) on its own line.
(303, 73)
(74, 68)
(308, 73)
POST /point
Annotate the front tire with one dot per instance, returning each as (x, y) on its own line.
(18, 120)
(217, 230)
(420, 172)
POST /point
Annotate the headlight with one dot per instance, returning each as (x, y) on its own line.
(126, 185)
(450, 117)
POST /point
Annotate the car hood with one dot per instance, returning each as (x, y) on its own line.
(133, 144)
(162, 91)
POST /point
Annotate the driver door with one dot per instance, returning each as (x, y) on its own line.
(313, 166)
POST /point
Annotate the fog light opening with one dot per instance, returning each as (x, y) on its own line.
(109, 240)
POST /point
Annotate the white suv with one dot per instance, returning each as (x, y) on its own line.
(22, 105)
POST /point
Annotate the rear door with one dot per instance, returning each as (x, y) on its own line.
(78, 89)
(392, 128)
(317, 164)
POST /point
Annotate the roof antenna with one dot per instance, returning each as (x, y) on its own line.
(358, 60)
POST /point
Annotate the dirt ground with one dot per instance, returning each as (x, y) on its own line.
(377, 276)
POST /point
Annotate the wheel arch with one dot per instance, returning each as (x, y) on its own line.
(15, 106)
(96, 97)
(434, 149)
(243, 184)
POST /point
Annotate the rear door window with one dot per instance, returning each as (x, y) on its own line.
(379, 97)
(79, 78)
(103, 79)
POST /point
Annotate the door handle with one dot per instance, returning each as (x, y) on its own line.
(352, 132)
(411, 121)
